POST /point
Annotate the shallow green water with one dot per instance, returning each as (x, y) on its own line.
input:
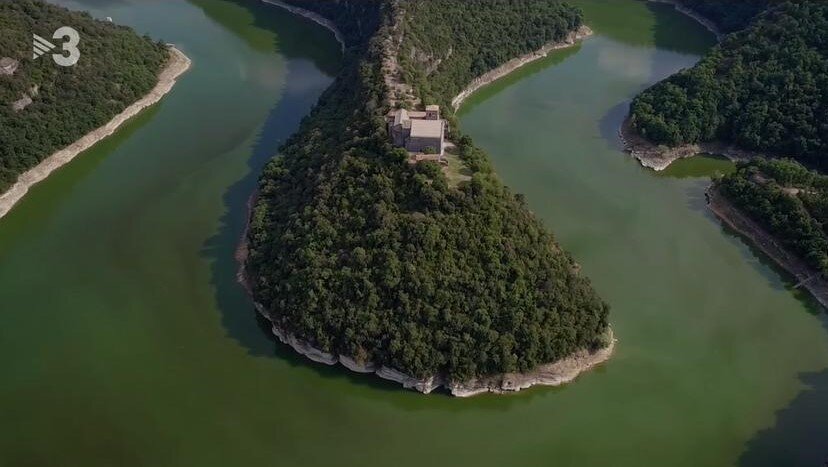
(125, 340)
(699, 166)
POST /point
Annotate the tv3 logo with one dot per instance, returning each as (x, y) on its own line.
(69, 55)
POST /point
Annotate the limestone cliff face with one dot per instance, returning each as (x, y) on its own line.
(552, 374)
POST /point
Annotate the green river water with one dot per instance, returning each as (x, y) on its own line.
(125, 340)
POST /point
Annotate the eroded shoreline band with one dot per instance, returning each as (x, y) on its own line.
(176, 66)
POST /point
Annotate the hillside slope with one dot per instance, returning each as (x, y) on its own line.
(116, 68)
(362, 254)
(764, 89)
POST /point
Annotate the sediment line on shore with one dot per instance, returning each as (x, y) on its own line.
(176, 66)
(659, 158)
(315, 17)
(707, 23)
(507, 68)
(806, 277)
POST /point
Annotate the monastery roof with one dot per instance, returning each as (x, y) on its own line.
(400, 116)
(426, 128)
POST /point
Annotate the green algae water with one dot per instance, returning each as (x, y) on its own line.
(126, 341)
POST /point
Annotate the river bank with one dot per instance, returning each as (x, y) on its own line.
(177, 65)
(658, 157)
(806, 276)
(553, 374)
(489, 77)
(315, 17)
(707, 23)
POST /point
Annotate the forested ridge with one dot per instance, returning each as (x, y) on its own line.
(787, 199)
(441, 55)
(116, 68)
(764, 88)
(362, 254)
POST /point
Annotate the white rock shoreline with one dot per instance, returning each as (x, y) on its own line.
(807, 278)
(176, 66)
(507, 68)
(552, 374)
(659, 158)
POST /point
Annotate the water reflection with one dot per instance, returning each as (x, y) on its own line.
(798, 438)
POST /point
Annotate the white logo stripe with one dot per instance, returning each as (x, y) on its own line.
(41, 48)
(43, 42)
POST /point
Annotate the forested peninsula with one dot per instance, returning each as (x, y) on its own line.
(428, 272)
(760, 97)
(762, 91)
(50, 113)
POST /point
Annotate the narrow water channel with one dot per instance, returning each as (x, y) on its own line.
(125, 340)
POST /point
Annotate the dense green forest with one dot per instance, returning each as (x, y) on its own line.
(362, 254)
(116, 68)
(441, 55)
(729, 15)
(764, 88)
(787, 199)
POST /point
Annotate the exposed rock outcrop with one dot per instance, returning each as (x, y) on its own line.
(659, 157)
(8, 66)
(21, 103)
(553, 374)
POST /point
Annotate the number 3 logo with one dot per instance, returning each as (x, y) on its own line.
(71, 53)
